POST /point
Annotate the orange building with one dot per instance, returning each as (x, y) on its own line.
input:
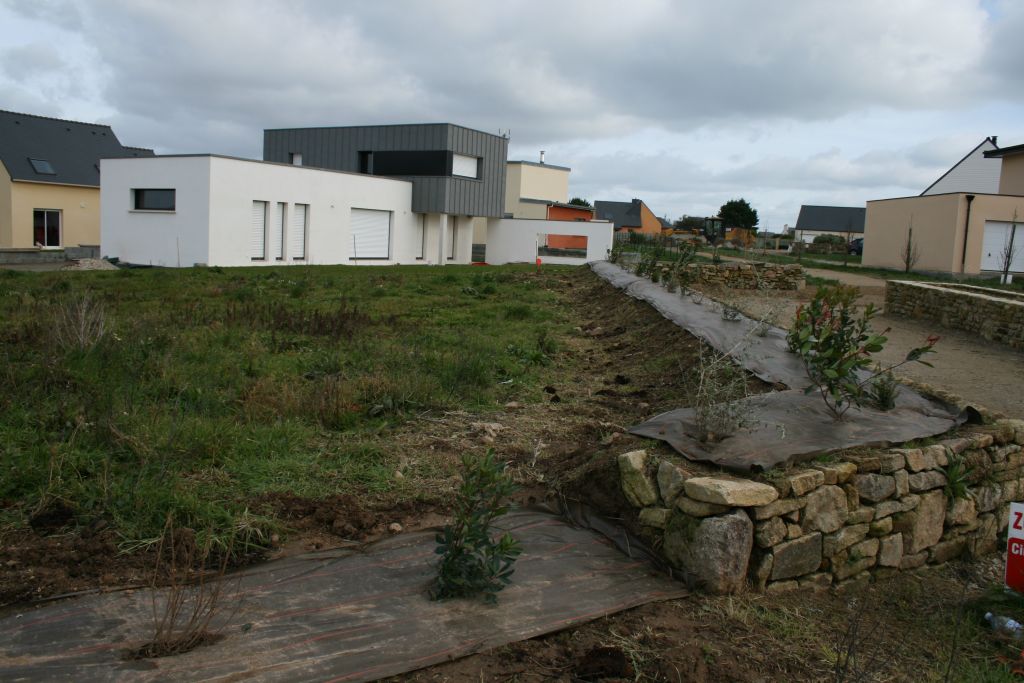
(568, 212)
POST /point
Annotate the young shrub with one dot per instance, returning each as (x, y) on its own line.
(473, 562)
(836, 343)
(730, 312)
(716, 389)
(883, 391)
(79, 324)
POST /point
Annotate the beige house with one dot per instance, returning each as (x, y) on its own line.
(531, 186)
(50, 180)
(964, 233)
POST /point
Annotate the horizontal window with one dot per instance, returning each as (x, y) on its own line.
(153, 200)
(465, 167)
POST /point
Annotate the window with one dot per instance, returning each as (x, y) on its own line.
(153, 200)
(297, 233)
(371, 234)
(258, 233)
(277, 232)
(46, 227)
(295, 159)
(366, 162)
(42, 166)
(423, 237)
(452, 229)
(465, 167)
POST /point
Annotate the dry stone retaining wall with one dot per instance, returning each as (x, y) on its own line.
(832, 523)
(995, 317)
(746, 275)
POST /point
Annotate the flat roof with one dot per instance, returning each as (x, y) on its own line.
(537, 163)
(387, 125)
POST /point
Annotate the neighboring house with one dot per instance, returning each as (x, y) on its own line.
(50, 179)
(531, 187)
(182, 210)
(844, 221)
(458, 174)
(634, 216)
(958, 232)
(976, 172)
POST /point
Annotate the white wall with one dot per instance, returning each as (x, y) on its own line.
(974, 173)
(155, 237)
(235, 184)
(514, 240)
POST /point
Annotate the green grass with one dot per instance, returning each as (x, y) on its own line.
(211, 387)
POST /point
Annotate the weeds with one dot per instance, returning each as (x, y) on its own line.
(958, 477)
(79, 324)
(473, 562)
(186, 613)
(883, 390)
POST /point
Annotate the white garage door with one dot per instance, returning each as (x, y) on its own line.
(996, 241)
(371, 234)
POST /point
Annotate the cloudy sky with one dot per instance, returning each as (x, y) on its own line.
(685, 104)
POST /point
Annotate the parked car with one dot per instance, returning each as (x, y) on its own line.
(857, 246)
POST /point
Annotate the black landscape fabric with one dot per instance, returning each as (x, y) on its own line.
(786, 426)
(341, 615)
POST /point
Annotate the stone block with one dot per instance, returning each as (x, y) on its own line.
(713, 552)
(866, 548)
(761, 570)
(981, 440)
(938, 453)
(861, 515)
(826, 510)
(770, 532)
(843, 539)
(945, 551)
(919, 460)
(867, 463)
(926, 481)
(961, 511)
(852, 497)
(890, 462)
(902, 480)
(836, 472)
(881, 527)
(984, 539)
(697, 508)
(914, 561)
(890, 551)
(783, 506)
(816, 582)
(852, 567)
(782, 587)
(922, 527)
(855, 585)
(655, 517)
(804, 482)
(733, 492)
(875, 487)
(797, 557)
(670, 482)
(793, 531)
(986, 498)
(636, 483)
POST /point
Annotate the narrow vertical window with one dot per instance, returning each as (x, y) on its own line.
(452, 240)
(297, 232)
(423, 236)
(258, 235)
(277, 232)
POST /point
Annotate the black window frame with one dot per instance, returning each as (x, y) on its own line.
(46, 227)
(139, 197)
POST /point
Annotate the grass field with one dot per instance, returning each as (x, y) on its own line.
(207, 389)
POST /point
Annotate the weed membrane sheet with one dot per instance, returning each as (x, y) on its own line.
(784, 426)
(341, 615)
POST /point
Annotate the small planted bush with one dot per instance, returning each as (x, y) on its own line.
(836, 342)
(474, 562)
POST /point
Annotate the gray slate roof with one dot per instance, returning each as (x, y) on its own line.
(74, 149)
(622, 214)
(831, 218)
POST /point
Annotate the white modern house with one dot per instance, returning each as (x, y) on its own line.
(224, 211)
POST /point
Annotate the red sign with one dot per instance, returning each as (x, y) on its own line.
(1015, 549)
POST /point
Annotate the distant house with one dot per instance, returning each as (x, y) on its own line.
(976, 172)
(50, 179)
(531, 187)
(844, 221)
(963, 231)
(634, 216)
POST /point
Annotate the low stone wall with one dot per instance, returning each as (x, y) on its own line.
(994, 316)
(748, 275)
(35, 256)
(832, 523)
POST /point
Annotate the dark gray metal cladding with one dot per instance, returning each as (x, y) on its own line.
(339, 149)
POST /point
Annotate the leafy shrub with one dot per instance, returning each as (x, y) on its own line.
(835, 344)
(883, 390)
(829, 239)
(473, 562)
